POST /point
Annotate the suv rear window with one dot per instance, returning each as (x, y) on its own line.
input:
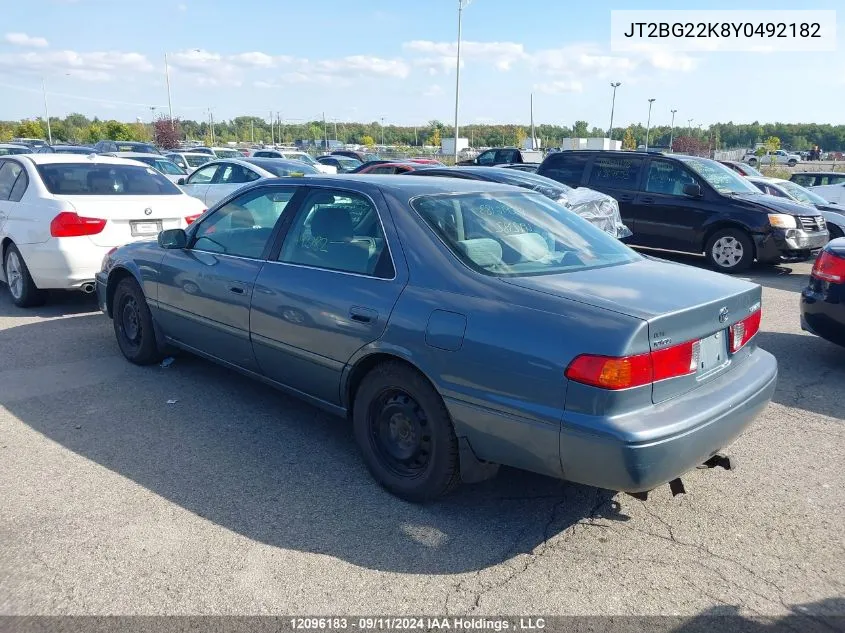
(616, 172)
(565, 167)
(85, 179)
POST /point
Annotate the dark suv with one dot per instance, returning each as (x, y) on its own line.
(694, 205)
(503, 156)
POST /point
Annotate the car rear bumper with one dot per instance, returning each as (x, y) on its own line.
(823, 311)
(709, 418)
(63, 263)
(789, 245)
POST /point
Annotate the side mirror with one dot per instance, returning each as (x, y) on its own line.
(693, 190)
(173, 239)
(181, 181)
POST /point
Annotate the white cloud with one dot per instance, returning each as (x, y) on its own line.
(22, 39)
(590, 61)
(559, 86)
(441, 56)
(363, 65)
(255, 58)
(93, 66)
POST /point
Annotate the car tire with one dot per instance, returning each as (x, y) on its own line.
(835, 231)
(752, 162)
(792, 163)
(730, 250)
(133, 324)
(405, 434)
(25, 293)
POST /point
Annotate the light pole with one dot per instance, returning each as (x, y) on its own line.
(689, 128)
(613, 85)
(672, 131)
(648, 124)
(46, 112)
(382, 131)
(462, 4)
(167, 78)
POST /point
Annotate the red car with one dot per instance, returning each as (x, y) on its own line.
(426, 161)
(389, 168)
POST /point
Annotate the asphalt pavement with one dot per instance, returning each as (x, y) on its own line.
(192, 490)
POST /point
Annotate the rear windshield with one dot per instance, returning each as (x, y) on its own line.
(83, 179)
(227, 153)
(518, 234)
(141, 148)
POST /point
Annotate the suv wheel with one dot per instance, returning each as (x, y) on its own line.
(730, 250)
(792, 162)
(752, 162)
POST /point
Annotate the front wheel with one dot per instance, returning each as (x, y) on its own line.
(835, 231)
(24, 292)
(752, 162)
(133, 324)
(730, 251)
(792, 163)
(405, 434)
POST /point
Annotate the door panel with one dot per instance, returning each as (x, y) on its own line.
(205, 291)
(330, 293)
(665, 217)
(198, 182)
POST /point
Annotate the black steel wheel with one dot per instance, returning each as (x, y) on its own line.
(405, 433)
(133, 324)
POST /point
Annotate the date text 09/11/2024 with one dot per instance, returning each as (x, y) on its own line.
(418, 623)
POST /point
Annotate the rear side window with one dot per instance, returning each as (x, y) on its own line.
(666, 177)
(616, 172)
(566, 168)
(9, 172)
(833, 180)
(84, 179)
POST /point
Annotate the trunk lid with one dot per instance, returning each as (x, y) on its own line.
(131, 218)
(680, 303)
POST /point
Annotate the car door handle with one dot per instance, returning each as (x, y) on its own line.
(362, 315)
(647, 200)
(238, 290)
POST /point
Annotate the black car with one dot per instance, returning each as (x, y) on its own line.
(694, 205)
(823, 300)
(102, 147)
(818, 178)
(504, 156)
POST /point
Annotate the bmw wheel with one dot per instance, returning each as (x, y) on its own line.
(730, 251)
(24, 292)
(405, 433)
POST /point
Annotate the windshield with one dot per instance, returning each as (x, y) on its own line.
(722, 179)
(305, 158)
(749, 170)
(166, 167)
(518, 234)
(195, 161)
(85, 179)
(799, 193)
(227, 153)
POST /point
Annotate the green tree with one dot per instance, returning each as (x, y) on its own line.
(581, 129)
(117, 131)
(521, 135)
(435, 139)
(369, 141)
(95, 132)
(31, 129)
(628, 141)
(6, 132)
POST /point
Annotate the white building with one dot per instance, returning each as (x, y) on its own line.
(590, 143)
(447, 145)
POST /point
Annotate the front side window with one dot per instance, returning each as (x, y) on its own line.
(9, 172)
(667, 177)
(196, 161)
(616, 172)
(202, 176)
(339, 231)
(518, 234)
(487, 158)
(243, 226)
(92, 179)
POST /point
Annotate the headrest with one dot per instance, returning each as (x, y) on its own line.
(333, 223)
(530, 246)
(484, 251)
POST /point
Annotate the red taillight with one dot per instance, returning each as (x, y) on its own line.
(69, 224)
(190, 219)
(675, 361)
(829, 267)
(609, 372)
(740, 333)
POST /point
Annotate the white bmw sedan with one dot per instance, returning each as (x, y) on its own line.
(61, 213)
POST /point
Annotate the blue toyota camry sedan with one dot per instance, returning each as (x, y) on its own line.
(458, 325)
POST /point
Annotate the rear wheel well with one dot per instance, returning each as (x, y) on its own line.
(115, 278)
(365, 366)
(712, 230)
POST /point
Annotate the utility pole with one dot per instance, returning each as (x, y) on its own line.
(672, 131)
(612, 107)
(279, 121)
(648, 124)
(382, 131)
(47, 112)
(533, 142)
(211, 119)
(325, 133)
(689, 129)
(461, 5)
(272, 130)
(167, 79)
(252, 130)
(335, 129)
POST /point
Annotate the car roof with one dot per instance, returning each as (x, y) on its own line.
(265, 162)
(181, 153)
(818, 173)
(405, 185)
(43, 159)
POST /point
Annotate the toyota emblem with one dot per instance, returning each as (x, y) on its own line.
(148, 211)
(723, 315)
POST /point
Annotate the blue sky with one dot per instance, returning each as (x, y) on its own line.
(364, 60)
